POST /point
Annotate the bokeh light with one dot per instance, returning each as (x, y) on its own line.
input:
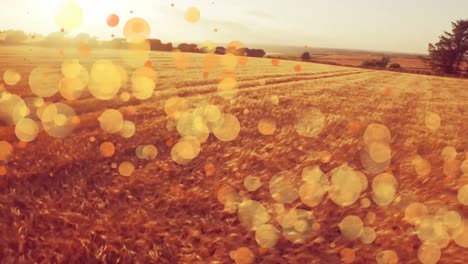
(69, 16)
(111, 121)
(227, 88)
(384, 189)
(266, 235)
(136, 30)
(192, 14)
(386, 257)
(283, 189)
(113, 20)
(267, 126)
(252, 183)
(242, 255)
(58, 120)
(415, 212)
(128, 129)
(105, 80)
(299, 226)
(44, 81)
(377, 133)
(432, 121)
(12, 108)
(144, 81)
(252, 214)
(26, 130)
(368, 235)
(310, 123)
(175, 106)
(429, 253)
(11, 77)
(228, 129)
(107, 149)
(6, 149)
(345, 186)
(126, 168)
(351, 227)
(137, 53)
(462, 195)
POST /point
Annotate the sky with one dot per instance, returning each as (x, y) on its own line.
(377, 25)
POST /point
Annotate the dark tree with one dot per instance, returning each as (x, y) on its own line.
(394, 66)
(220, 50)
(184, 47)
(156, 44)
(167, 47)
(248, 52)
(448, 54)
(256, 53)
(305, 56)
(382, 63)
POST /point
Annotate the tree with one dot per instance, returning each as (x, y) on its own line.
(116, 43)
(81, 38)
(248, 52)
(382, 63)
(305, 56)
(240, 52)
(56, 39)
(93, 42)
(184, 47)
(13, 37)
(256, 53)
(448, 54)
(220, 50)
(156, 44)
(84, 38)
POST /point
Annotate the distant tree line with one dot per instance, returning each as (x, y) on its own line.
(11, 37)
(55, 39)
(62, 40)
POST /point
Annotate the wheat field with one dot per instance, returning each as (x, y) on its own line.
(62, 201)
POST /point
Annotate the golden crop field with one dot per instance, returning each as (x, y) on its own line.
(232, 160)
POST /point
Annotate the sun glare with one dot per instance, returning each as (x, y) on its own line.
(79, 15)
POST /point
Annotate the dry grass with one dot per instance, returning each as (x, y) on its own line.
(62, 202)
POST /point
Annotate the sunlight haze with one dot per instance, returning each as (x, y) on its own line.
(402, 26)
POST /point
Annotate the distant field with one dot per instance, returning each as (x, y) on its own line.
(407, 62)
(62, 201)
(344, 57)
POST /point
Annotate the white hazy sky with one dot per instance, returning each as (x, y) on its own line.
(386, 25)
